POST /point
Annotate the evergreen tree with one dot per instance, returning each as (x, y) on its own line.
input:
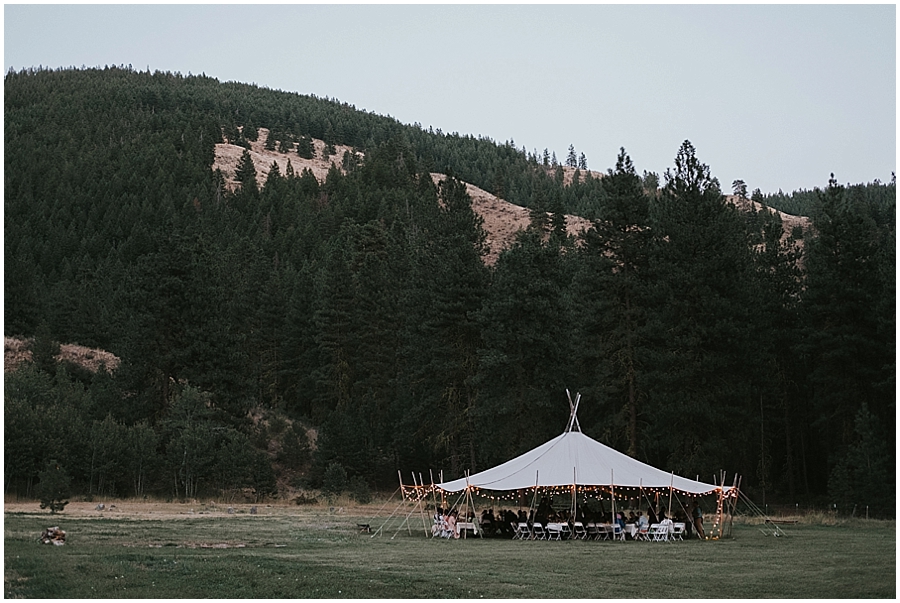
(449, 283)
(572, 158)
(305, 148)
(610, 301)
(701, 267)
(844, 347)
(246, 174)
(524, 365)
(55, 487)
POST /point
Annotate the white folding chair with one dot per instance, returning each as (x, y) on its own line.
(579, 531)
(537, 532)
(554, 531)
(678, 531)
(662, 533)
(618, 532)
(604, 531)
(643, 533)
(522, 532)
(564, 532)
(593, 532)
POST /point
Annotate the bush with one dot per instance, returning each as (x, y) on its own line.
(295, 447)
(303, 499)
(335, 480)
(359, 490)
(54, 487)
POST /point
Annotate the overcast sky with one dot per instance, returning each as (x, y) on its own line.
(779, 96)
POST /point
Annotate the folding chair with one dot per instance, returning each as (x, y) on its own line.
(662, 533)
(554, 531)
(521, 531)
(579, 531)
(593, 532)
(678, 531)
(618, 532)
(537, 532)
(604, 531)
(564, 532)
(643, 533)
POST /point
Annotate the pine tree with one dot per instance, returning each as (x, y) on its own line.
(246, 174)
(305, 148)
(844, 347)
(572, 158)
(271, 140)
(611, 306)
(702, 267)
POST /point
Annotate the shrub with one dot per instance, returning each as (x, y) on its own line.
(359, 490)
(54, 487)
(335, 480)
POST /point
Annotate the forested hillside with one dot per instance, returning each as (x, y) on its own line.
(287, 326)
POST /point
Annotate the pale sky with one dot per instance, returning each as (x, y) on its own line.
(776, 95)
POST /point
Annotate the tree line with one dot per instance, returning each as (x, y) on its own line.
(700, 336)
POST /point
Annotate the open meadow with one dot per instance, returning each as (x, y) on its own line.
(160, 550)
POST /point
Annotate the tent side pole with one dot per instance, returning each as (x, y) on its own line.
(737, 487)
(574, 496)
(424, 498)
(612, 495)
(671, 483)
(433, 496)
(534, 496)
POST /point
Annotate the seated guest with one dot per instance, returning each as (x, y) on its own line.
(506, 526)
(437, 527)
(631, 517)
(452, 529)
(642, 521)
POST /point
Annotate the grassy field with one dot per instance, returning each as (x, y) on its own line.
(168, 551)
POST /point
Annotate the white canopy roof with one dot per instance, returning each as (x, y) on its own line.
(574, 458)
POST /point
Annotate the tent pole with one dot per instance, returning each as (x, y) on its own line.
(406, 520)
(574, 496)
(671, 483)
(433, 496)
(737, 481)
(612, 495)
(424, 498)
(534, 496)
(470, 500)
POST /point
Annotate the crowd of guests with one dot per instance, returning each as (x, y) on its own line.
(504, 522)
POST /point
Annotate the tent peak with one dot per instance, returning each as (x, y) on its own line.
(573, 424)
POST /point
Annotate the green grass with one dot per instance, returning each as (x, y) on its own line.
(308, 553)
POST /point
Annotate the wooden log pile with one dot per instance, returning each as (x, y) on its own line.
(53, 536)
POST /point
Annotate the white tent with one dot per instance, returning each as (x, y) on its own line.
(574, 458)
